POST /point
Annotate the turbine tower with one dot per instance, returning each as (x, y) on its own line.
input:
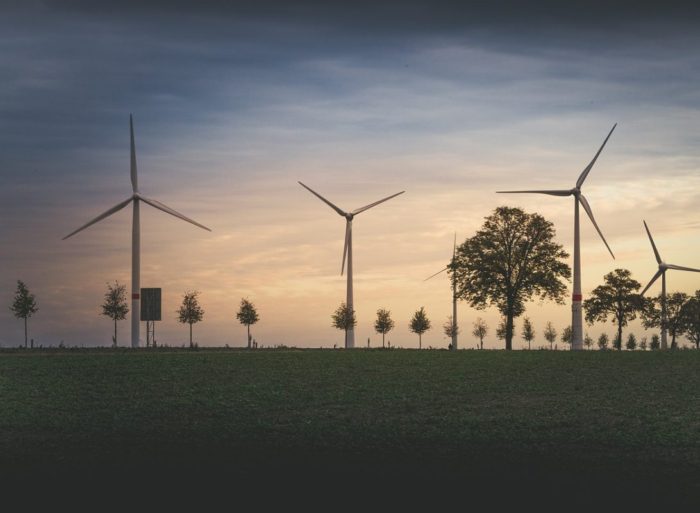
(454, 294)
(347, 250)
(576, 310)
(663, 267)
(136, 198)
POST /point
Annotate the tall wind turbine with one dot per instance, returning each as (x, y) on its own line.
(135, 198)
(454, 294)
(576, 310)
(347, 250)
(663, 267)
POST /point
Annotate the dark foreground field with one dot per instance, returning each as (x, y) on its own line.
(485, 427)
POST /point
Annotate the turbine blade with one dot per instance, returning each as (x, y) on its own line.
(348, 229)
(134, 172)
(434, 275)
(656, 277)
(367, 207)
(323, 199)
(653, 246)
(551, 193)
(115, 208)
(588, 210)
(172, 212)
(681, 268)
(584, 173)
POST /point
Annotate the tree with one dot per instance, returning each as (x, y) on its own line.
(691, 319)
(617, 298)
(512, 258)
(480, 330)
(247, 315)
(655, 342)
(450, 329)
(567, 335)
(384, 323)
(190, 311)
(603, 341)
(501, 330)
(344, 319)
(419, 324)
(643, 344)
(24, 305)
(588, 341)
(651, 314)
(115, 306)
(550, 334)
(631, 343)
(528, 332)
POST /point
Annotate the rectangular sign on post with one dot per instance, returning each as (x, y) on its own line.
(150, 304)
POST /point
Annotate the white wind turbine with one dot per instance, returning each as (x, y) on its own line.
(454, 295)
(576, 310)
(663, 267)
(136, 197)
(347, 250)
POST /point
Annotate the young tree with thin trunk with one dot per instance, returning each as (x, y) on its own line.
(384, 323)
(643, 344)
(675, 325)
(617, 298)
(655, 342)
(115, 306)
(450, 329)
(190, 311)
(344, 318)
(588, 341)
(567, 335)
(550, 334)
(528, 332)
(631, 343)
(419, 324)
(510, 260)
(480, 330)
(24, 305)
(603, 341)
(247, 315)
(501, 330)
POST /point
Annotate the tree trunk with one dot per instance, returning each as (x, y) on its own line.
(115, 333)
(191, 335)
(420, 345)
(481, 339)
(25, 332)
(509, 330)
(382, 340)
(248, 326)
(619, 337)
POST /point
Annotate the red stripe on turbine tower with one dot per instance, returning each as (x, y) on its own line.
(577, 297)
(135, 296)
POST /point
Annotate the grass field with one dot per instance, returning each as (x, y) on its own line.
(585, 426)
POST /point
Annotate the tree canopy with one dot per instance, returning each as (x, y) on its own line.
(419, 324)
(384, 323)
(510, 260)
(190, 312)
(616, 298)
(480, 329)
(247, 315)
(550, 334)
(528, 332)
(344, 319)
(674, 325)
(690, 316)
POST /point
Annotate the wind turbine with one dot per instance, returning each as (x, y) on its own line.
(454, 294)
(347, 250)
(663, 267)
(136, 198)
(576, 311)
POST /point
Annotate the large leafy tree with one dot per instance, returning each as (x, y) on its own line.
(384, 323)
(690, 315)
(115, 306)
(190, 311)
(24, 305)
(616, 298)
(674, 325)
(247, 315)
(344, 319)
(480, 330)
(510, 260)
(528, 332)
(419, 324)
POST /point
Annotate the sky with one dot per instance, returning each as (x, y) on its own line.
(449, 101)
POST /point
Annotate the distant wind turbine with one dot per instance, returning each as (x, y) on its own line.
(576, 311)
(347, 250)
(454, 294)
(136, 197)
(663, 267)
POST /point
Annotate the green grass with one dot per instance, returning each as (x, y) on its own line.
(627, 420)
